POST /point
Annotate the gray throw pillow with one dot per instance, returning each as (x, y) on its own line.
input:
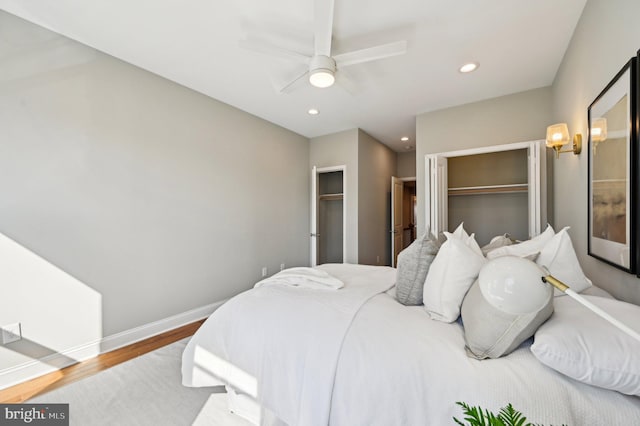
(413, 265)
(496, 242)
(491, 333)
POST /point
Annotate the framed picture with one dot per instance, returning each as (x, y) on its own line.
(613, 167)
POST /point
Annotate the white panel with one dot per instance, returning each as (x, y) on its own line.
(442, 203)
(314, 216)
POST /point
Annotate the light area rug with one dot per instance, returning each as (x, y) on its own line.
(143, 391)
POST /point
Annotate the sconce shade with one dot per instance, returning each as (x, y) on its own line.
(599, 129)
(557, 135)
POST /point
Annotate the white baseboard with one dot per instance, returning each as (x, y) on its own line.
(50, 363)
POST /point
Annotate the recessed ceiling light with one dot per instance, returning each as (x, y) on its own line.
(404, 138)
(313, 111)
(471, 66)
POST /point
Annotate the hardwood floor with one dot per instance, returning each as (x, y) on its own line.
(23, 391)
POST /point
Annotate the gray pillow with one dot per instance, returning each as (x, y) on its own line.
(497, 242)
(413, 265)
(491, 333)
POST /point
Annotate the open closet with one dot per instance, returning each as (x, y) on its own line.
(329, 218)
(493, 190)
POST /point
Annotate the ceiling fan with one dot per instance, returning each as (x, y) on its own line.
(322, 67)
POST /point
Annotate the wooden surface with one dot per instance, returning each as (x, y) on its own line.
(23, 391)
(492, 189)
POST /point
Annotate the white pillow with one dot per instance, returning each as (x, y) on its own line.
(452, 272)
(525, 248)
(579, 344)
(460, 232)
(473, 244)
(469, 240)
(559, 257)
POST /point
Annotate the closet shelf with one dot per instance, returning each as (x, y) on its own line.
(331, 197)
(609, 180)
(489, 189)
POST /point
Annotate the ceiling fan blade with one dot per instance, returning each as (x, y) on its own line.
(350, 84)
(286, 86)
(323, 26)
(268, 49)
(371, 53)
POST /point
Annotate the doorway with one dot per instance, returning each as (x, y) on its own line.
(403, 215)
(328, 215)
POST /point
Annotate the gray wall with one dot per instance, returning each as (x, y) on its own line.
(377, 165)
(406, 164)
(606, 36)
(149, 198)
(513, 118)
(341, 149)
(370, 165)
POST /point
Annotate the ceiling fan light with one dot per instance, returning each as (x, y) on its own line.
(322, 78)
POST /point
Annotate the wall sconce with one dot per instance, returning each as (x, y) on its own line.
(598, 132)
(558, 136)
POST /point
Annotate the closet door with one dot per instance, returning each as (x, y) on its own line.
(437, 201)
(537, 188)
(314, 216)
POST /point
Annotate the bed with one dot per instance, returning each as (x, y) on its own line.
(355, 356)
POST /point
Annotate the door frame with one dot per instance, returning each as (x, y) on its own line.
(315, 172)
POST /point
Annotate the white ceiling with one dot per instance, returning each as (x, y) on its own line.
(518, 43)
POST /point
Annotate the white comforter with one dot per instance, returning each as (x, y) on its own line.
(280, 344)
(416, 369)
(395, 365)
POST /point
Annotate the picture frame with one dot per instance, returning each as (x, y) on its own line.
(613, 170)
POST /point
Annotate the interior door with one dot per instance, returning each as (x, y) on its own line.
(397, 192)
(314, 216)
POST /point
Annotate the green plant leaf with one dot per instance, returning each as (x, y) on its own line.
(473, 415)
(458, 422)
(476, 416)
(511, 417)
